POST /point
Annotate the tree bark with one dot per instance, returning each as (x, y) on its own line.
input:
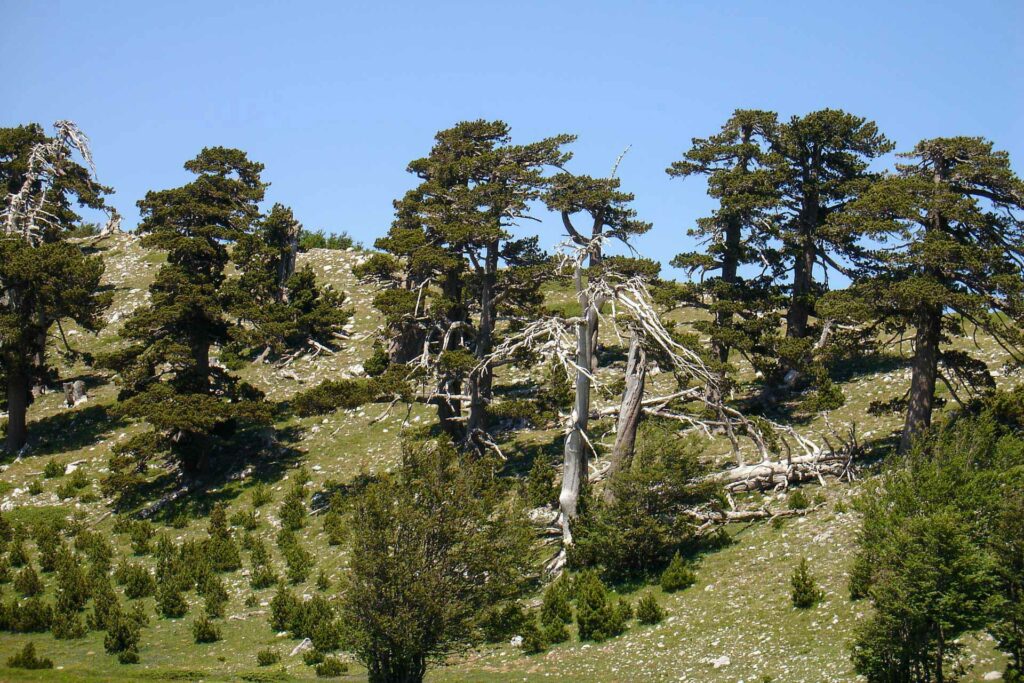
(480, 381)
(732, 247)
(575, 460)
(630, 411)
(922, 381)
(17, 407)
(74, 393)
(803, 267)
(286, 265)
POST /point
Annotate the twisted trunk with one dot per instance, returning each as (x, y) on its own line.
(630, 411)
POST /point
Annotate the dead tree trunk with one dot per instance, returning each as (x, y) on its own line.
(575, 455)
(286, 264)
(75, 393)
(631, 408)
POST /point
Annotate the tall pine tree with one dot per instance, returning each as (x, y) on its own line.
(945, 255)
(166, 374)
(44, 277)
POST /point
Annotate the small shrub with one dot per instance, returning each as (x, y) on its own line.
(331, 667)
(106, 608)
(18, 555)
(35, 487)
(648, 611)
(73, 587)
(138, 581)
(261, 494)
(504, 621)
(245, 519)
(170, 603)
(28, 583)
(322, 581)
(554, 632)
(555, 607)
(79, 479)
(68, 626)
(797, 500)
(27, 659)
(122, 638)
(268, 657)
(204, 630)
(331, 395)
(806, 593)
(312, 657)
(29, 616)
(282, 608)
(596, 617)
(533, 638)
(307, 615)
(293, 508)
(540, 483)
(326, 635)
(215, 596)
(141, 534)
(334, 527)
(54, 468)
(679, 575)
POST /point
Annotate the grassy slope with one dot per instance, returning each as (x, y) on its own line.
(738, 610)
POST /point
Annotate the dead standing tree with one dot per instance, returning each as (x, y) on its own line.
(696, 404)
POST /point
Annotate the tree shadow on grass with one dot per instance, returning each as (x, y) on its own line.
(234, 465)
(72, 429)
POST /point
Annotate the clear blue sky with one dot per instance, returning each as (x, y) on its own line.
(335, 98)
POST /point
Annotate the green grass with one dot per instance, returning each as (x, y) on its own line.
(738, 609)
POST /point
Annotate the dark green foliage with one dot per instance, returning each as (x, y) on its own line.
(170, 603)
(68, 625)
(930, 557)
(307, 616)
(637, 533)
(797, 500)
(648, 611)
(556, 607)
(45, 278)
(462, 548)
(282, 607)
(533, 638)
(215, 595)
(552, 633)
(293, 508)
(331, 395)
(246, 519)
(141, 533)
(106, 607)
(504, 621)
(27, 582)
(97, 549)
(805, 592)
(678, 575)
(298, 560)
(29, 616)
(540, 485)
(204, 630)
(28, 659)
(73, 586)
(165, 371)
(331, 667)
(138, 581)
(323, 582)
(455, 228)
(220, 548)
(318, 239)
(326, 635)
(945, 251)
(261, 494)
(54, 469)
(597, 616)
(281, 309)
(35, 487)
(334, 524)
(122, 639)
(268, 657)
(262, 574)
(18, 554)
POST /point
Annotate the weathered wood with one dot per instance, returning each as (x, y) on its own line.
(75, 393)
(630, 409)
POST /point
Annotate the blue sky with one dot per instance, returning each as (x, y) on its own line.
(335, 98)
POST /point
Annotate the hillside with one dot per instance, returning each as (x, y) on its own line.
(735, 624)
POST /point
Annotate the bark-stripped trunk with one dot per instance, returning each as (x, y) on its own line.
(449, 413)
(17, 407)
(596, 257)
(74, 393)
(576, 455)
(630, 410)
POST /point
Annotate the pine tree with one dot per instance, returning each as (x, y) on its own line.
(45, 278)
(284, 308)
(167, 377)
(947, 255)
(740, 232)
(820, 161)
(454, 263)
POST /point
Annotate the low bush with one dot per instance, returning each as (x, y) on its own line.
(648, 611)
(268, 657)
(806, 593)
(26, 658)
(679, 575)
